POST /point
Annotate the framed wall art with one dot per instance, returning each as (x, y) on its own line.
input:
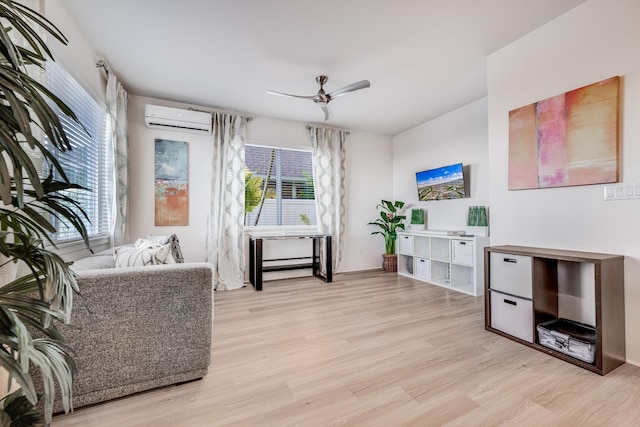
(566, 140)
(171, 182)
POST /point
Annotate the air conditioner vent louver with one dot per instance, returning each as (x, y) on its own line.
(153, 124)
(176, 119)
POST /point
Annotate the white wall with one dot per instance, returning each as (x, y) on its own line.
(456, 137)
(77, 57)
(141, 181)
(369, 178)
(594, 41)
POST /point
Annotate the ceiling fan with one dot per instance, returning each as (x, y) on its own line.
(322, 98)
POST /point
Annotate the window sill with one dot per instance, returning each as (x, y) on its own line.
(282, 229)
(74, 250)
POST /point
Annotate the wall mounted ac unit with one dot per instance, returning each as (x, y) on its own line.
(158, 117)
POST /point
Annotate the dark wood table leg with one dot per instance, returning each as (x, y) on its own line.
(328, 259)
(317, 271)
(252, 260)
(258, 265)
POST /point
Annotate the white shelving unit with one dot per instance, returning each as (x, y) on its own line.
(451, 261)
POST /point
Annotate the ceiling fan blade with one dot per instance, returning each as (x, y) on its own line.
(273, 92)
(349, 88)
(327, 112)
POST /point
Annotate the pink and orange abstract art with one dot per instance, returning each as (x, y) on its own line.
(569, 139)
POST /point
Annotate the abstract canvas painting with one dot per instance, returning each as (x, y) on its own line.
(171, 183)
(569, 139)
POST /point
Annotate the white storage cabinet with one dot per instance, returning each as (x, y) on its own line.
(450, 261)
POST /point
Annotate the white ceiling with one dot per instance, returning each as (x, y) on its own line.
(422, 57)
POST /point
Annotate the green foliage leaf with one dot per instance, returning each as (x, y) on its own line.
(18, 411)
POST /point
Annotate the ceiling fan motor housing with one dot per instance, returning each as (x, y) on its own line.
(322, 98)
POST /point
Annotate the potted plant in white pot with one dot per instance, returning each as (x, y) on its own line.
(388, 223)
(32, 202)
(417, 219)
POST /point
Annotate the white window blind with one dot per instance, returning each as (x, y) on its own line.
(90, 161)
(288, 174)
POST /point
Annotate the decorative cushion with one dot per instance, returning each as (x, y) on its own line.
(146, 244)
(143, 253)
(175, 245)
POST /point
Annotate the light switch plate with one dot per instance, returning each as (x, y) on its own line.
(621, 192)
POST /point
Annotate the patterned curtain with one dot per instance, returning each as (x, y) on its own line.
(117, 105)
(328, 148)
(225, 231)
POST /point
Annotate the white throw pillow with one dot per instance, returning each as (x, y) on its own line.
(146, 244)
(143, 253)
(161, 240)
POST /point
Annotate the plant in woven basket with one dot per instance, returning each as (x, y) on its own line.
(388, 223)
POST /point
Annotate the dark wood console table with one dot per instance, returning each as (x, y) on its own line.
(256, 261)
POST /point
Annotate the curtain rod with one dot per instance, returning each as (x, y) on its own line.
(101, 63)
(346, 131)
(214, 110)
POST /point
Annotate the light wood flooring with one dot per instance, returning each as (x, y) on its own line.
(371, 349)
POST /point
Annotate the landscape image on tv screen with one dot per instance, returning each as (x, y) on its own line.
(442, 183)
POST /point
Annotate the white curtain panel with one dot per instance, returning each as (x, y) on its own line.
(117, 105)
(328, 148)
(225, 231)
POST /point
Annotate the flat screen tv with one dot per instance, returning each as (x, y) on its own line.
(446, 182)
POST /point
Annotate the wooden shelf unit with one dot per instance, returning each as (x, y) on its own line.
(608, 284)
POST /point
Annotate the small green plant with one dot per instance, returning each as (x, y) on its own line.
(389, 222)
(417, 216)
(477, 216)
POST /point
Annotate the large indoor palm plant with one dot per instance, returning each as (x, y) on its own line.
(33, 201)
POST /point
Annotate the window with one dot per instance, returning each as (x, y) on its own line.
(90, 161)
(289, 198)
